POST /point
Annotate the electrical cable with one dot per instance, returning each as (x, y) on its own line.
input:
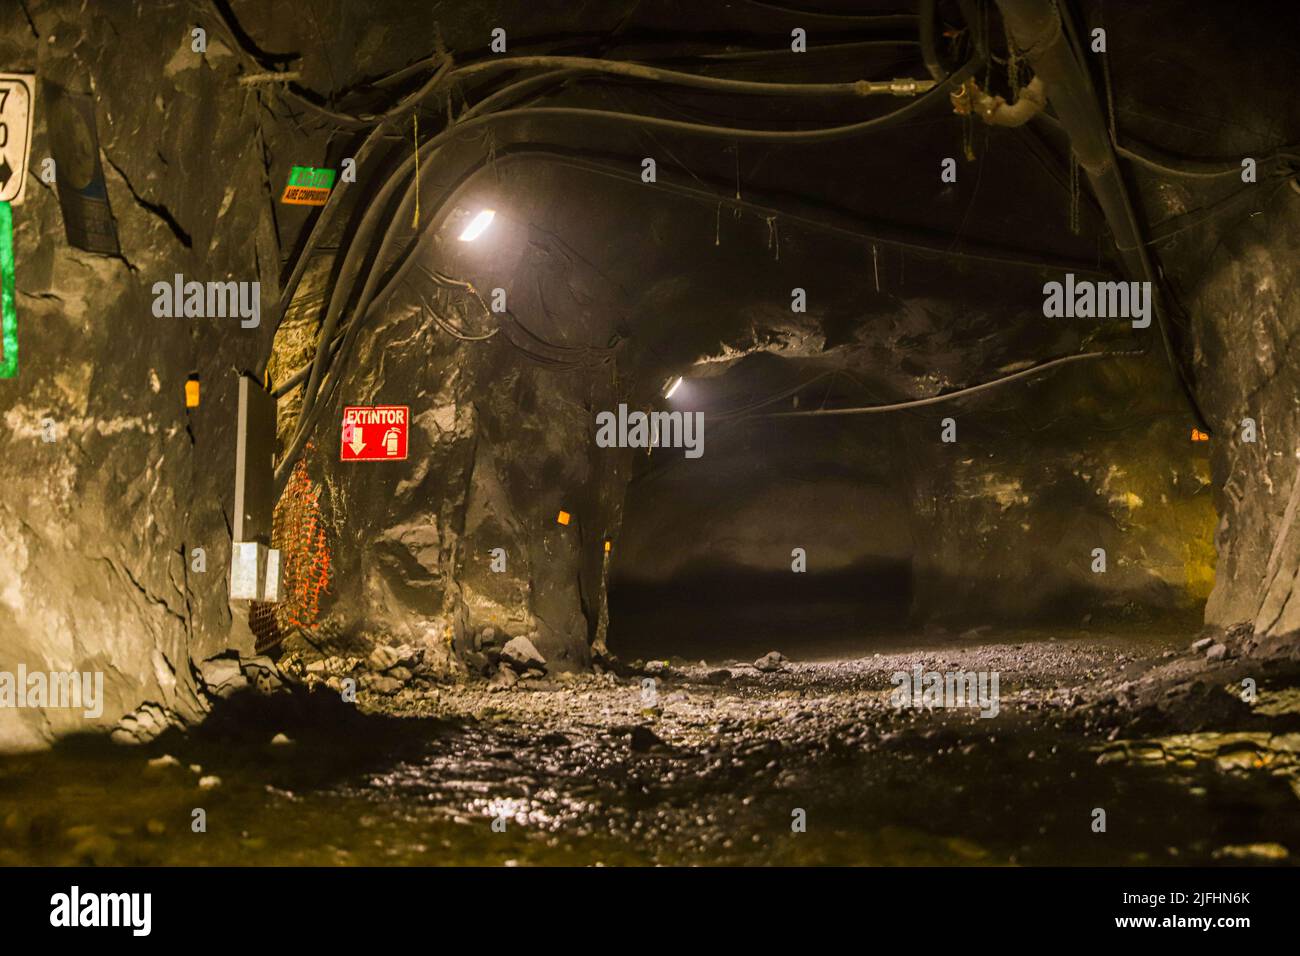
(300, 376)
(311, 409)
(848, 46)
(743, 411)
(352, 260)
(352, 263)
(1154, 159)
(824, 49)
(929, 52)
(823, 219)
(448, 282)
(898, 87)
(960, 393)
(520, 88)
(614, 66)
(451, 329)
(333, 203)
(343, 289)
(875, 19)
(744, 134)
(336, 348)
(1151, 158)
(262, 62)
(977, 26)
(1167, 229)
(692, 80)
(927, 27)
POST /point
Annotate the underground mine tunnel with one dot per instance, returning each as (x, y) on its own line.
(753, 432)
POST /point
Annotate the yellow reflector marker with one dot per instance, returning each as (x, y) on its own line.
(608, 545)
(192, 392)
(1198, 435)
(562, 517)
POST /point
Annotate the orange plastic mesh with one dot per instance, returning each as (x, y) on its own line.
(298, 530)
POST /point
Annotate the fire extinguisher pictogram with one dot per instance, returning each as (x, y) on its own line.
(390, 442)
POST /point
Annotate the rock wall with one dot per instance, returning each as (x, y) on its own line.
(98, 525)
(1246, 303)
(1229, 252)
(1095, 456)
(498, 448)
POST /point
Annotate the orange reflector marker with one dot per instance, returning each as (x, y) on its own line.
(562, 517)
(608, 545)
(1198, 435)
(192, 392)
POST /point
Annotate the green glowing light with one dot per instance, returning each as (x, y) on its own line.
(8, 304)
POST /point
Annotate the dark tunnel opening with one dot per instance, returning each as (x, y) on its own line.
(712, 613)
(822, 534)
(785, 534)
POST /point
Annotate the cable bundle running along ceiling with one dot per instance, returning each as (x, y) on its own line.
(367, 249)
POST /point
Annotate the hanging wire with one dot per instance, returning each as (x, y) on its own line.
(1074, 193)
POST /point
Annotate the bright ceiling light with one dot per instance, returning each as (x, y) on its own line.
(478, 225)
(673, 387)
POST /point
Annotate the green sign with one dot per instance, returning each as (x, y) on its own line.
(308, 186)
(311, 176)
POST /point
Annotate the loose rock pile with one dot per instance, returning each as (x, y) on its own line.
(220, 678)
(505, 662)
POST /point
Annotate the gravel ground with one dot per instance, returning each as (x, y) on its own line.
(717, 762)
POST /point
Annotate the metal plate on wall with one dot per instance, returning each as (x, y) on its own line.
(83, 192)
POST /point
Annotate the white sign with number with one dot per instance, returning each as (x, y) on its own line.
(17, 93)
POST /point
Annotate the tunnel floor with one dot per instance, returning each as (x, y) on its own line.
(585, 769)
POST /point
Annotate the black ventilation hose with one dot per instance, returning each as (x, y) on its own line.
(929, 28)
(929, 49)
(1041, 32)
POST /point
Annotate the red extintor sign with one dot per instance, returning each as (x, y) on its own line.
(375, 432)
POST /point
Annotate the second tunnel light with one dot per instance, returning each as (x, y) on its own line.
(478, 225)
(668, 393)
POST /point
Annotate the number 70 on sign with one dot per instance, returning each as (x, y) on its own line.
(17, 95)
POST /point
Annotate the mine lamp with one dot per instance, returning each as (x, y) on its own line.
(478, 225)
(668, 392)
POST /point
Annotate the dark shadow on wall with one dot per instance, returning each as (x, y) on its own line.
(978, 602)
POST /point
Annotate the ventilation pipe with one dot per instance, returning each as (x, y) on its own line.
(1037, 30)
